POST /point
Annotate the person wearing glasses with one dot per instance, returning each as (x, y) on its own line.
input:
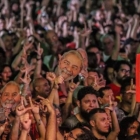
(122, 69)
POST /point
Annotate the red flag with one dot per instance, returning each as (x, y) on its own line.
(138, 78)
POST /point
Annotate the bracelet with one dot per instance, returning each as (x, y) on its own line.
(44, 115)
(112, 110)
(55, 87)
(39, 122)
(38, 59)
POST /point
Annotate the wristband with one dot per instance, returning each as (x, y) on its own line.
(38, 59)
(44, 115)
(39, 122)
(55, 86)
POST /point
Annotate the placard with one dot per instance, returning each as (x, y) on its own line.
(138, 78)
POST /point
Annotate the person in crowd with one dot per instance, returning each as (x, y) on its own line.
(50, 50)
(105, 94)
(129, 126)
(41, 87)
(6, 74)
(80, 132)
(70, 65)
(86, 101)
(100, 124)
(128, 95)
(122, 69)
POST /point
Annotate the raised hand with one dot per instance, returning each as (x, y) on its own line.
(59, 79)
(7, 112)
(21, 33)
(29, 4)
(61, 20)
(26, 47)
(74, 5)
(39, 50)
(86, 33)
(124, 55)
(25, 121)
(118, 29)
(26, 79)
(58, 2)
(24, 59)
(2, 127)
(101, 81)
(132, 88)
(51, 76)
(27, 68)
(112, 105)
(22, 3)
(34, 106)
(20, 109)
(73, 86)
(46, 105)
(95, 84)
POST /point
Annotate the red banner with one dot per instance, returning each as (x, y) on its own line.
(138, 78)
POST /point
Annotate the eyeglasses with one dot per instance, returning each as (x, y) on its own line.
(126, 71)
(102, 66)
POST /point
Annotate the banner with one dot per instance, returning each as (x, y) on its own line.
(138, 78)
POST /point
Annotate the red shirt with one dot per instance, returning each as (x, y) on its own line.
(33, 132)
(116, 91)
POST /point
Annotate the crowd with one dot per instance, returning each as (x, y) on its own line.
(67, 69)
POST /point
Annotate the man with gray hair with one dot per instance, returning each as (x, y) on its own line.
(70, 65)
(10, 95)
(108, 46)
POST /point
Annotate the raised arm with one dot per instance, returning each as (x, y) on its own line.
(135, 27)
(133, 102)
(53, 97)
(22, 4)
(51, 127)
(26, 123)
(115, 125)
(68, 104)
(129, 28)
(20, 110)
(39, 123)
(45, 3)
(17, 60)
(116, 49)
(39, 52)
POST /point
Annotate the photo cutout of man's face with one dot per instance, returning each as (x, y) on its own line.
(70, 65)
(10, 96)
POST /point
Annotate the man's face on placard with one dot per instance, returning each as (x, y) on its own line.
(69, 66)
(10, 96)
